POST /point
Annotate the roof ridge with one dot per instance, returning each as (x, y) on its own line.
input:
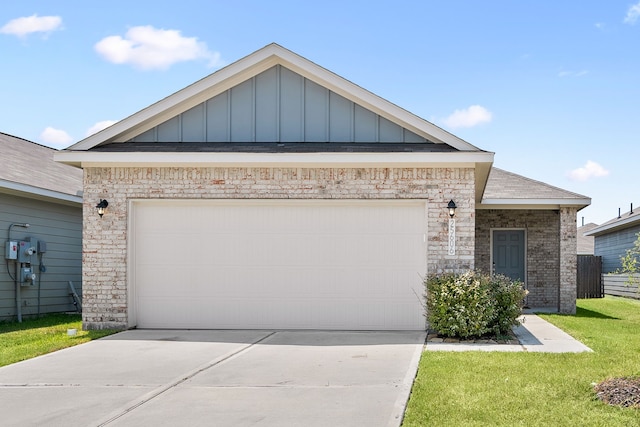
(27, 140)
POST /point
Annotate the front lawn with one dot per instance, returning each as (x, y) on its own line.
(34, 337)
(534, 389)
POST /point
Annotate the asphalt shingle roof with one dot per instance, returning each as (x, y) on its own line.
(507, 185)
(27, 163)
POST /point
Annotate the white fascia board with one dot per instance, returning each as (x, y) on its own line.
(162, 159)
(630, 221)
(251, 66)
(38, 193)
(533, 203)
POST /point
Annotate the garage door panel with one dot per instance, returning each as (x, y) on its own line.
(279, 264)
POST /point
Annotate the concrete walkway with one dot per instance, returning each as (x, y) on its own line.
(217, 378)
(535, 335)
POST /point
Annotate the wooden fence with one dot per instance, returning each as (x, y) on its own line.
(617, 284)
(589, 280)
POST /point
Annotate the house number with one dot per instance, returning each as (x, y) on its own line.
(452, 236)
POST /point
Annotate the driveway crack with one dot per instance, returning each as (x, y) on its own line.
(164, 388)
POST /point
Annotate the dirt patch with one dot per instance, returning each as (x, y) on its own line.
(620, 392)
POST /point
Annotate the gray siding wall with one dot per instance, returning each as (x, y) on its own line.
(614, 245)
(278, 105)
(60, 226)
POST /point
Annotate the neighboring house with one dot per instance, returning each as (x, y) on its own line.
(614, 238)
(276, 194)
(586, 242)
(36, 190)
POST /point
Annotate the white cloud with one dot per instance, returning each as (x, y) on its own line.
(99, 126)
(599, 25)
(573, 73)
(148, 48)
(472, 116)
(55, 137)
(24, 26)
(632, 14)
(589, 170)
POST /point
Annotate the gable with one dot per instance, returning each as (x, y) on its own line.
(279, 105)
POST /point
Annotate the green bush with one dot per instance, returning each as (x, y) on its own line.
(509, 297)
(472, 304)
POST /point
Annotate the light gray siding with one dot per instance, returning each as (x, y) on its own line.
(60, 226)
(613, 245)
(278, 105)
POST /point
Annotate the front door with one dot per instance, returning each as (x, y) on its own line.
(508, 253)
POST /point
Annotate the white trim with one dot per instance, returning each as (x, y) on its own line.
(166, 159)
(132, 299)
(622, 223)
(251, 66)
(533, 203)
(38, 193)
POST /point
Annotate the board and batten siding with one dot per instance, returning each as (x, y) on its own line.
(278, 105)
(60, 226)
(613, 245)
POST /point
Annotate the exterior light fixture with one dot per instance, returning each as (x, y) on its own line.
(101, 207)
(452, 208)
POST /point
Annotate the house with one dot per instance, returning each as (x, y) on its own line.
(276, 194)
(46, 195)
(586, 242)
(612, 241)
(613, 238)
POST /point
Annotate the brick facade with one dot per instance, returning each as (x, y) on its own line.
(568, 260)
(550, 252)
(106, 296)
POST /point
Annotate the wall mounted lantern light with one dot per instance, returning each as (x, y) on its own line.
(101, 207)
(452, 208)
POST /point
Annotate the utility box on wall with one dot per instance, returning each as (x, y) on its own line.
(11, 250)
(26, 249)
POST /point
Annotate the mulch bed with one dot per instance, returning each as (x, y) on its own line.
(620, 391)
(434, 337)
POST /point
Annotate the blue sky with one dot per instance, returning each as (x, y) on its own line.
(552, 87)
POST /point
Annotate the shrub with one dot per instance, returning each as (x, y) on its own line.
(508, 296)
(458, 305)
(472, 304)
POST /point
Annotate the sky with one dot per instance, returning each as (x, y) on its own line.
(552, 87)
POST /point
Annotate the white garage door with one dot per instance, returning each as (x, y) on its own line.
(353, 265)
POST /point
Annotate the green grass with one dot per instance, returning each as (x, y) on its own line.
(34, 337)
(534, 389)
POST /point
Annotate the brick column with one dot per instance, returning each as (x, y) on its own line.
(568, 261)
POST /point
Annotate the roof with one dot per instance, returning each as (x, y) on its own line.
(262, 147)
(248, 67)
(107, 147)
(29, 168)
(586, 243)
(624, 220)
(507, 190)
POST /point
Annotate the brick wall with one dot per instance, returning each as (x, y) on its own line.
(568, 260)
(543, 249)
(106, 297)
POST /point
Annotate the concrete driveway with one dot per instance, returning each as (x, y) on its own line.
(221, 378)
